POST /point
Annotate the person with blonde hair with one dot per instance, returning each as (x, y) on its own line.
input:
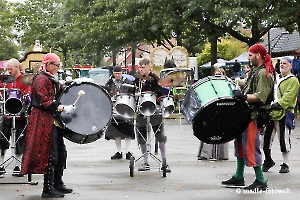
(156, 119)
(209, 151)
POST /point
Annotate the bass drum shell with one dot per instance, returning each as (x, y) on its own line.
(92, 114)
(216, 116)
(221, 121)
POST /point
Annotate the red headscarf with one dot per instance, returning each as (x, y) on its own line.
(49, 57)
(259, 48)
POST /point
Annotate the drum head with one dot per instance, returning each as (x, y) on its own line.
(91, 116)
(14, 101)
(221, 121)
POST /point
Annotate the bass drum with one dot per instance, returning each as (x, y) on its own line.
(92, 114)
(217, 117)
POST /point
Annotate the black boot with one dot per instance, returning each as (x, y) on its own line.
(59, 168)
(58, 182)
(49, 190)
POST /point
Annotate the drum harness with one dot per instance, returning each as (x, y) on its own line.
(262, 112)
(34, 101)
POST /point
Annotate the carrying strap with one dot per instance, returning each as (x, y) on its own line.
(252, 77)
(285, 78)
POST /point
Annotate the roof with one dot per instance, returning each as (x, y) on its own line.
(243, 59)
(220, 61)
(282, 43)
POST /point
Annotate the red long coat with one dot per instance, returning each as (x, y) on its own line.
(38, 137)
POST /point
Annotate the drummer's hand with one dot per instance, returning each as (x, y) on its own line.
(239, 94)
(240, 82)
(275, 106)
(237, 80)
(60, 108)
(69, 109)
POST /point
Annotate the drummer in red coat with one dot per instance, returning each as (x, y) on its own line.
(44, 150)
(14, 107)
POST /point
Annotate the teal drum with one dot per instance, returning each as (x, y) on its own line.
(216, 116)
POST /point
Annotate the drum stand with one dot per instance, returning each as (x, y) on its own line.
(214, 155)
(13, 157)
(148, 152)
(179, 113)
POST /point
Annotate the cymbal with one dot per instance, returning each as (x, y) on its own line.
(143, 76)
(7, 78)
(28, 79)
(173, 80)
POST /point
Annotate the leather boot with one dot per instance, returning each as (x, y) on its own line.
(58, 183)
(59, 171)
(49, 190)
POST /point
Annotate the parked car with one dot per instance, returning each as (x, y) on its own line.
(99, 75)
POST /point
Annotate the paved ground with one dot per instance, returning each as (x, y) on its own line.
(94, 176)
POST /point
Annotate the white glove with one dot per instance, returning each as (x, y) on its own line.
(69, 109)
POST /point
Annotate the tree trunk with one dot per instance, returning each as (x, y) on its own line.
(114, 57)
(133, 49)
(213, 52)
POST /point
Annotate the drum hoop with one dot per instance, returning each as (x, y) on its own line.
(147, 92)
(125, 94)
(208, 78)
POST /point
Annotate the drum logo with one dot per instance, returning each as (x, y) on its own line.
(215, 138)
(226, 104)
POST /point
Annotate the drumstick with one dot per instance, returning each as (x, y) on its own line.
(81, 93)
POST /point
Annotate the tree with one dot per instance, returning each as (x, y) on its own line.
(87, 29)
(256, 16)
(227, 48)
(47, 22)
(8, 48)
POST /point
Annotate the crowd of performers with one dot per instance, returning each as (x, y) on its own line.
(38, 133)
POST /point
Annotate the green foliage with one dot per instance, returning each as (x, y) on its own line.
(226, 48)
(87, 29)
(8, 48)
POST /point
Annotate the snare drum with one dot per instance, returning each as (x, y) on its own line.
(14, 101)
(216, 116)
(147, 103)
(125, 105)
(167, 105)
(92, 114)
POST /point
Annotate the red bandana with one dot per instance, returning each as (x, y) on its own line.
(259, 48)
(49, 57)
